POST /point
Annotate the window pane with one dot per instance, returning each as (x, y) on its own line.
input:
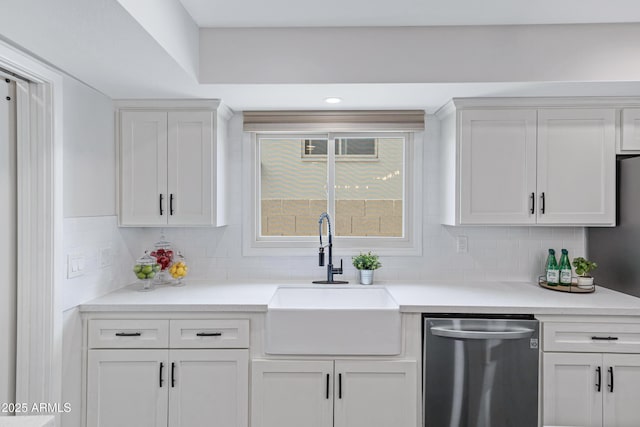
(315, 147)
(369, 194)
(293, 191)
(358, 146)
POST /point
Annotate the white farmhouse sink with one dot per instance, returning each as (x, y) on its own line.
(328, 320)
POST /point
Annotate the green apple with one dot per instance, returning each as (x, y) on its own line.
(151, 275)
(147, 269)
(156, 267)
(141, 275)
(137, 268)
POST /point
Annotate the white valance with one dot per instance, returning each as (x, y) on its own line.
(333, 121)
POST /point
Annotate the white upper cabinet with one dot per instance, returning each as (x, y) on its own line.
(527, 165)
(497, 166)
(576, 166)
(172, 163)
(630, 139)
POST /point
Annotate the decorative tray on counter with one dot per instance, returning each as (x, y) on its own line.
(574, 288)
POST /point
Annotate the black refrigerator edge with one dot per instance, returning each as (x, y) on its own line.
(616, 250)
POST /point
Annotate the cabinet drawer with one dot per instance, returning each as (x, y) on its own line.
(108, 333)
(592, 337)
(233, 333)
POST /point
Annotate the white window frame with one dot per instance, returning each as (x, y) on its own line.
(410, 244)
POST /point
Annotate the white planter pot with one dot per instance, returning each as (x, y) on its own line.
(366, 277)
(585, 281)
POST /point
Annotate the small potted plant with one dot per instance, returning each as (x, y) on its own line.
(366, 263)
(583, 268)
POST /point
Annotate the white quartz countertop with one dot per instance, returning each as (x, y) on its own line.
(482, 297)
(28, 421)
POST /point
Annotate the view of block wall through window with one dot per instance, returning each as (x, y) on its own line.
(368, 191)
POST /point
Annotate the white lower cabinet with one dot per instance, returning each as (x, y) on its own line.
(168, 373)
(591, 389)
(160, 388)
(124, 388)
(340, 393)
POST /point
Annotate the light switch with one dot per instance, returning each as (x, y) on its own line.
(75, 265)
(462, 244)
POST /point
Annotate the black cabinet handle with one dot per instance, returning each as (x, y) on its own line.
(161, 380)
(209, 334)
(161, 211)
(128, 334)
(173, 374)
(604, 338)
(171, 204)
(339, 386)
(599, 382)
(533, 203)
(611, 379)
(543, 203)
(327, 394)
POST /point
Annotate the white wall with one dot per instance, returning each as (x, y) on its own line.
(89, 152)
(495, 253)
(447, 54)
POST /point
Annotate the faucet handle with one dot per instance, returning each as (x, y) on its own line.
(321, 257)
(338, 270)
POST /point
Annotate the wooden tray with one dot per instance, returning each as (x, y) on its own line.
(574, 289)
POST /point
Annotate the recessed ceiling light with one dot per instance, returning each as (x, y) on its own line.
(333, 100)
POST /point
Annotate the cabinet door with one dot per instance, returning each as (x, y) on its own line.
(630, 140)
(143, 159)
(292, 393)
(190, 168)
(570, 392)
(209, 388)
(497, 166)
(576, 166)
(127, 388)
(621, 390)
(376, 394)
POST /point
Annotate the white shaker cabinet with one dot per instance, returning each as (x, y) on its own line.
(197, 374)
(591, 390)
(172, 163)
(630, 139)
(497, 166)
(576, 166)
(591, 373)
(337, 393)
(127, 388)
(527, 166)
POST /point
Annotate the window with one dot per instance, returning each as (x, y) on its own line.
(364, 181)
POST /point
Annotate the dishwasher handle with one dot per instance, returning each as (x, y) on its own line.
(511, 334)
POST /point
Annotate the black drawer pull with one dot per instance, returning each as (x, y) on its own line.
(209, 334)
(533, 203)
(611, 377)
(327, 393)
(599, 383)
(339, 386)
(128, 334)
(604, 338)
(173, 374)
(161, 380)
(161, 210)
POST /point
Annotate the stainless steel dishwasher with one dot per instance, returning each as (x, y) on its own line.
(480, 371)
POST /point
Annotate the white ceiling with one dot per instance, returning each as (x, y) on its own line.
(332, 13)
(102, 44)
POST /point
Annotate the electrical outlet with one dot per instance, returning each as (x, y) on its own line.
(105, 257)
(462, 244)
(75, 265)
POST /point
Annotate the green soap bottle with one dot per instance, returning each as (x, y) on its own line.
(553, 271)
(565, 269)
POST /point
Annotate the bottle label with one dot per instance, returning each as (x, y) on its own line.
(553, 276)
(565, 277)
